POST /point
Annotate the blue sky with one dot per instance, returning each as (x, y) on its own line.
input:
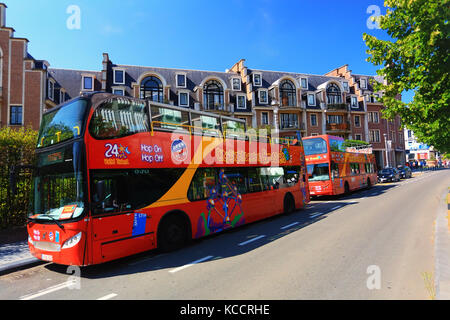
(297, 36)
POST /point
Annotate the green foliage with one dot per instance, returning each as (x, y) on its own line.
(417, 59)
(352, 143)
(16, 148)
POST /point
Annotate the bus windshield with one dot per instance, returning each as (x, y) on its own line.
(58, 185)
(318, 172)
(62, 124)
(314, 146)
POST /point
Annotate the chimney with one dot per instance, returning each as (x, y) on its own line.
(2, 15)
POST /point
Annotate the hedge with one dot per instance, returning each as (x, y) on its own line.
(17, 147)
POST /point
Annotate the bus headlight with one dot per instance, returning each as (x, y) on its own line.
(30, 241)
(72, 241)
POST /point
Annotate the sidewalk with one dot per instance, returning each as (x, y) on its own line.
(14, 252)
(442, 249)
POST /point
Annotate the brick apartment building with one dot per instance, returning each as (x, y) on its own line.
(338, 103)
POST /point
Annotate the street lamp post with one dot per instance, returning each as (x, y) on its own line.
(386, 148)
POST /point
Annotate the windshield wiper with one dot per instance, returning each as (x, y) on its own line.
(56, 221)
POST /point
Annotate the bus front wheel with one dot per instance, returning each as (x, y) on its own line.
(173, 233)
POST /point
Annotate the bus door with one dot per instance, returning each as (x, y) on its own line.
(116, 227)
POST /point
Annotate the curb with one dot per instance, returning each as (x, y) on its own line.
(19, 265)
(442, 248)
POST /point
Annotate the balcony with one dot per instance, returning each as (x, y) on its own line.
(293, 125)
(337, 107)
(341, 127)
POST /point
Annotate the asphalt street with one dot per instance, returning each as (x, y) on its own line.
(372, 244)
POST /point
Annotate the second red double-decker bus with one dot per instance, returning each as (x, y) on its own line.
(116, 176)
(333, 170)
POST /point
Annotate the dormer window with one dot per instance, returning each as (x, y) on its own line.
(119, 76)
(311, 99)
(257, 79)
(354, 102)
(241, 101)
(345, 86)
(304, 83)
(88, 83)
(51, 89)
(263, 98)
(334, 95)
(236, 84)
(363, 83)
(183, 98)
(181, 80)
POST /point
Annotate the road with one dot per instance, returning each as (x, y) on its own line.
(372, 244)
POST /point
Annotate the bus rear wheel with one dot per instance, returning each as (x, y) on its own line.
(346, 188)
(289, 203)
(173, 233)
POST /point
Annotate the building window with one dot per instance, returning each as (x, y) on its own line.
(345, 86)
(15, 115)
(181, 80)
(51, 90)
(236, 84)
(358, 137)
(363, 83)
(354, 102)
(335, 119)
(257, 79)
(357, 121)
(289, 120)
(393, 136)
(62, 96)
(313, 119)
(152, 89)
(264, 118)
(213, 95)
(119, 92)
(304, 83)
(334, 95)
(373, 117)
(263, 97)
(311, 99)
(287, 93)
(183, 99)
(241, 101)
(119, 76)
(374, 135)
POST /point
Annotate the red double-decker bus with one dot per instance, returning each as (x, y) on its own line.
(334, 169)
(117, 176)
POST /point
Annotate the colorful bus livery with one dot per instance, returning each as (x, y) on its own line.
(136, 175)
(333, 171)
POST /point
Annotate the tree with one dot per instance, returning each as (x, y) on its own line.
(417, 59)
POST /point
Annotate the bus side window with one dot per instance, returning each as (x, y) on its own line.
(291, 175)
(334, 170)
(203, 184)
(236, 177)
(254, 180)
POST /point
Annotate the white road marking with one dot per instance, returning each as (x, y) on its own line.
(251, 240)
(190, 264)
(109, 296)
(334, 208)
(317, 214)
(48, 290)
(290, 225)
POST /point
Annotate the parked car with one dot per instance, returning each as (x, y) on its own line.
(388, 174)
(405, 171)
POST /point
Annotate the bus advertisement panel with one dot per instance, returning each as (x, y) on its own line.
(117, 176)
(332, 170)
